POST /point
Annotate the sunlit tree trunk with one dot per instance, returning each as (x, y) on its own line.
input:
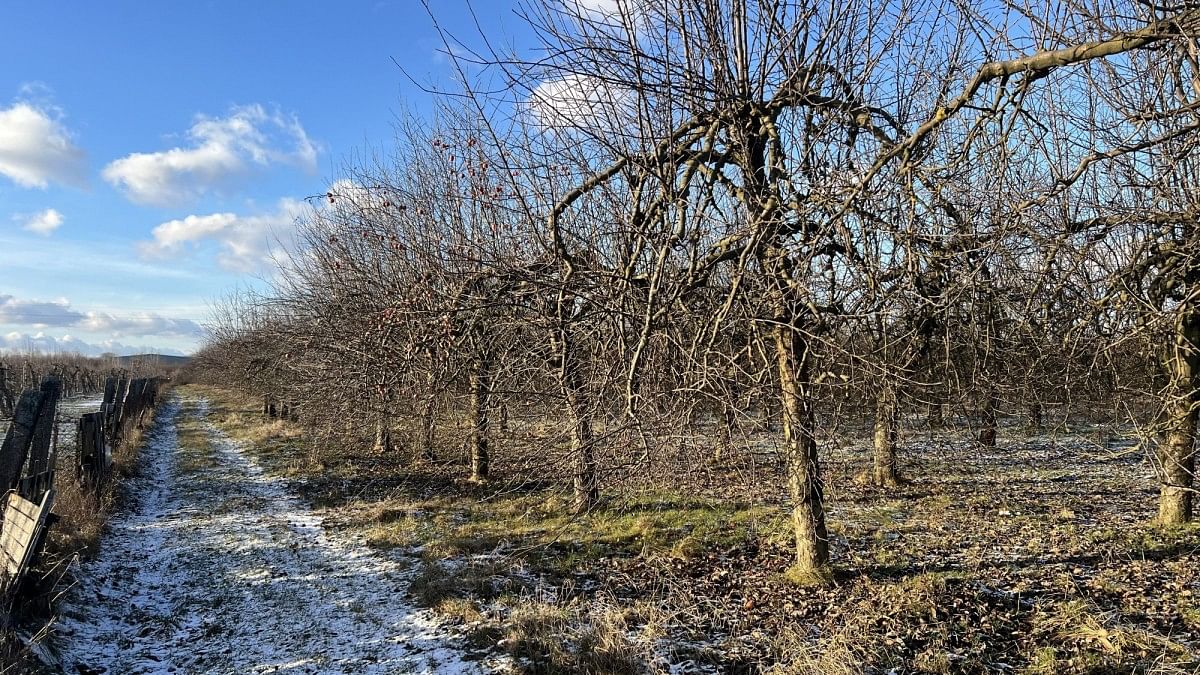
(1177, 455)
(796, 398)
(572, 383)
(800, 449)
(383, 434)
(481, 389)
(428, 411)
(886, 422)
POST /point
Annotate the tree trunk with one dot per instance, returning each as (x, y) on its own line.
(728, 420)
(1177, 455)
(587, 491)
(800, 449)
(427, 416)
(1036, 416)
(481, 389)
(383, 435)
(987, 433)
(571, 380)
(937, 413)
(886, 421)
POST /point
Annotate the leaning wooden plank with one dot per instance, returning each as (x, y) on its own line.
(16, 441)
(19, 535)
(20, 523)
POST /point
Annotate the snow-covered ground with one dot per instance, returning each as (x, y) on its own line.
(218, 569)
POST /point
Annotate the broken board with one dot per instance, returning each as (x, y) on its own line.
(19, 534)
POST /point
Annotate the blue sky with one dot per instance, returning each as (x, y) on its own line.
(150, 151)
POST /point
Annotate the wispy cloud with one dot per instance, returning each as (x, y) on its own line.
(36, 149)
(219, 150)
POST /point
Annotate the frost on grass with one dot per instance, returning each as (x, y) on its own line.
(216, 568)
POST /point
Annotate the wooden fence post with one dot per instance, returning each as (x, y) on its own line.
(40, 450)
(17, 439)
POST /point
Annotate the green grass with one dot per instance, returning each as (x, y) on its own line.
(657, 524)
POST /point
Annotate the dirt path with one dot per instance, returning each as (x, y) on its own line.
(218, 569)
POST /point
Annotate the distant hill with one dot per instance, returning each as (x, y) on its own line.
(163, 359)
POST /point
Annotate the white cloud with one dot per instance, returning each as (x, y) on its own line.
(42, 222)
(36, 149)
(584, 102)
(346, 192)
(143, 324)
(220, 149)
(60, 314)
(606, 7)
(245, 242)
(36, 313)
(66, 344)
(615, 16)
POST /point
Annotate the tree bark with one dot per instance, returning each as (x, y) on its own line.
(571, 380)
(937, 415)
(886, 422)
(383, 435)
(427, 415)
(1177, 456)
(800, 449)
(728, 420)
(987, 433)
(481, 389)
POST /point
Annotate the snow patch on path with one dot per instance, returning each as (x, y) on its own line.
(222, 570)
